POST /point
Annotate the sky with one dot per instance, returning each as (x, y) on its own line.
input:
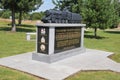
(46, 6)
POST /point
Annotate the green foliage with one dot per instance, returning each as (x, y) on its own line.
(99, 13)
(96, 14)
(118, 7)
(70, 4)
(36, 16)
(115, 14)
(8, 4)
(25, 16)
(28, 5)
(19, 6)
(5, 14)
(1, 12)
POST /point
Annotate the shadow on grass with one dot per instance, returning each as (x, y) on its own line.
(5, 28)
(113, 32)
(25, 30)
(23, 25)
(93, 37)
(88, 32)
(17, 29)
(27, 25)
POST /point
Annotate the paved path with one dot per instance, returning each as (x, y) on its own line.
(90, 60)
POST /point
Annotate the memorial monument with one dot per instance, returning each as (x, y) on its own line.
(60, 36)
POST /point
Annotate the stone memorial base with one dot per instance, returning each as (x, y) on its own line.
(58, 56)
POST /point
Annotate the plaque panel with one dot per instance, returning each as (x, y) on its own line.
(43, 40)
(67, 38)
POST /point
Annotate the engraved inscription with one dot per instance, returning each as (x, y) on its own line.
(67, 38)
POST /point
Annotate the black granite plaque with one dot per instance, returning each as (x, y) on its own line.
(43, 40)
(67, 38)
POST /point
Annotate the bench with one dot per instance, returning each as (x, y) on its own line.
(28, 35)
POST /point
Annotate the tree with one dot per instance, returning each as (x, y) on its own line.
(72, 5)
(11, 5)
(118, 8)
(36, 16)
(96, 14)
(100, 14)
(19, 5)
(5, 14)
(27, 6)
(115, 14)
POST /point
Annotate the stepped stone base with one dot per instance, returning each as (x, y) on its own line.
(58, 56)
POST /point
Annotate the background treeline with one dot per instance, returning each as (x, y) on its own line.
(20, 7)
(26, 16)
(97, 14)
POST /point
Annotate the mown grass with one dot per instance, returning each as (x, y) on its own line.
(13, 43)
(95, 75)
(8, 74)
(107, 41)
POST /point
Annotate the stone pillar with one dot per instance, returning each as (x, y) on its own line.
(82, 37)
(51, 40)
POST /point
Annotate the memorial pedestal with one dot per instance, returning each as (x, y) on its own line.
(58, 41)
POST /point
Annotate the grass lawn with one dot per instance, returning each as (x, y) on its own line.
(15, 43)
(109, 40)
(8, 74)
(95, 75)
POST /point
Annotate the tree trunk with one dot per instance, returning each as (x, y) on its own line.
(95, 32)
(20, 18)
(13, 20)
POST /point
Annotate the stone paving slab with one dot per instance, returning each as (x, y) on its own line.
(90, 60)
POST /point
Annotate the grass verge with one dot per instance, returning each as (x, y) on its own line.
(13, 43)
(107, 41)
(8, 74)
(95, 75)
